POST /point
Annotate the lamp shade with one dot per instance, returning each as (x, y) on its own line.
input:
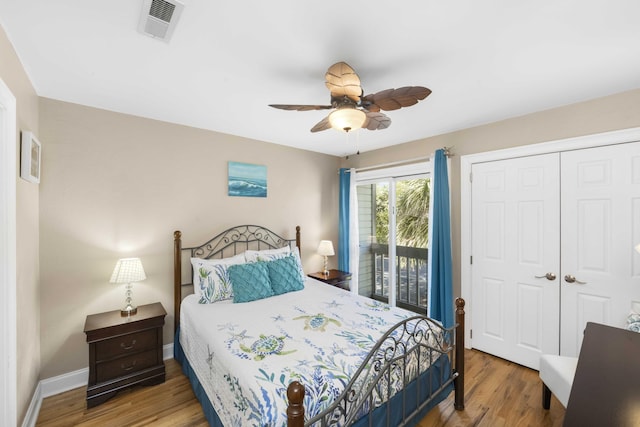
(638, 248)
(347, 119)
(326, 248)
(128, 270)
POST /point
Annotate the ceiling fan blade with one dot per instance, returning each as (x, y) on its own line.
(376, 121)
(342, 80)
(393, 99)
(300, 107)
(322, 125)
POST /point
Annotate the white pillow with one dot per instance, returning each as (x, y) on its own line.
(296, 253)
(252, 256)
(210, 278)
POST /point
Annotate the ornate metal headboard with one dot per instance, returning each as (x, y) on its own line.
(230, 242)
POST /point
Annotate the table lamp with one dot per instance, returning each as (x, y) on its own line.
(128, 270)
(638, 248)
(325, 248)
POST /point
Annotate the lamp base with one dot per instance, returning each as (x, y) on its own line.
(129, 310)
(326, 266)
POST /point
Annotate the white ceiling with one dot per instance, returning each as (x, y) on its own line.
(227, 60)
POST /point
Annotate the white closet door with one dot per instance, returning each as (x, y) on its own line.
(515, 247)
(600, 226)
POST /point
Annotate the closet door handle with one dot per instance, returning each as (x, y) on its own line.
(548, 276)
(571, 279)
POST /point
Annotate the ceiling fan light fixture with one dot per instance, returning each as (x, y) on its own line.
(347, 119)
(352, 110)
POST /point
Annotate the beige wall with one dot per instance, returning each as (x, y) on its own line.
(27, 287)
(620, 111)
(115, 185)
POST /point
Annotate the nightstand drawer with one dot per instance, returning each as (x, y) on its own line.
(126, 365)
(126, 344)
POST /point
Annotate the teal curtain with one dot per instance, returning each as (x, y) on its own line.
(441, 298)
(343, 220)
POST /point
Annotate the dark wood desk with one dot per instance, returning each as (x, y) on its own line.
(606, 388)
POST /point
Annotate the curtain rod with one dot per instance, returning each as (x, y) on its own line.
(447, 153)
(385, 165)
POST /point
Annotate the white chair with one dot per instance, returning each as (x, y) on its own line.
(556, 373)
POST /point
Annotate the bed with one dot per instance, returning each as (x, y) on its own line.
(297, 352)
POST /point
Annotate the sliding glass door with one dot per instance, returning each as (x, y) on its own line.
(393, 229)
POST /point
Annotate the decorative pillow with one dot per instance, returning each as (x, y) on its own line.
(252, 256)
(294, 253)
(633, 322)
(284, 275)
(250, 282)
(211, 280)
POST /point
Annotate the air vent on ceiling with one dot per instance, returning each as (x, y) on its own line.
(159, 18)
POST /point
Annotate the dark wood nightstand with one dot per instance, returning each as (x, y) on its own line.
(124, 351)
(336, 278)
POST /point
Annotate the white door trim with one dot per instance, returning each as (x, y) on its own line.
(466, 162)
(8, 349)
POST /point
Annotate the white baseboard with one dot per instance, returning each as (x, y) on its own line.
(167, 351)
(33, 410)
(65, 382)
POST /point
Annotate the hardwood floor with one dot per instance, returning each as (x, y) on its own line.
(497, 393)
(169, 404)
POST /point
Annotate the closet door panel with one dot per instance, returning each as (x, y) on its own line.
(599, 194)
(493, 314)
(635, 226)
(592, 247)
(530, 321)
(515, 206)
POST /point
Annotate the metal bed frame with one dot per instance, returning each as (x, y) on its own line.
(369, 390)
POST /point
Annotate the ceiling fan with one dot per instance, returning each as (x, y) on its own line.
(352, 110)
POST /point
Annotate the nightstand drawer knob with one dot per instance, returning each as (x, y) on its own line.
(128, 368)
(126, 347)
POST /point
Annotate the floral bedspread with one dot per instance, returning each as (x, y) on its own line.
(245, 355)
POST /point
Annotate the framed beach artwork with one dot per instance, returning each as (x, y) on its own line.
(247, 180)
(30, 157)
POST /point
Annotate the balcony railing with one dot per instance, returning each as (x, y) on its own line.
(411, 276)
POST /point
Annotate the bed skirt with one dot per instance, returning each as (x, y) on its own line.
(432, 376)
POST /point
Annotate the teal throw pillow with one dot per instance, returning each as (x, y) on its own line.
(295, 253)
(284, 275)
(250, 282)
